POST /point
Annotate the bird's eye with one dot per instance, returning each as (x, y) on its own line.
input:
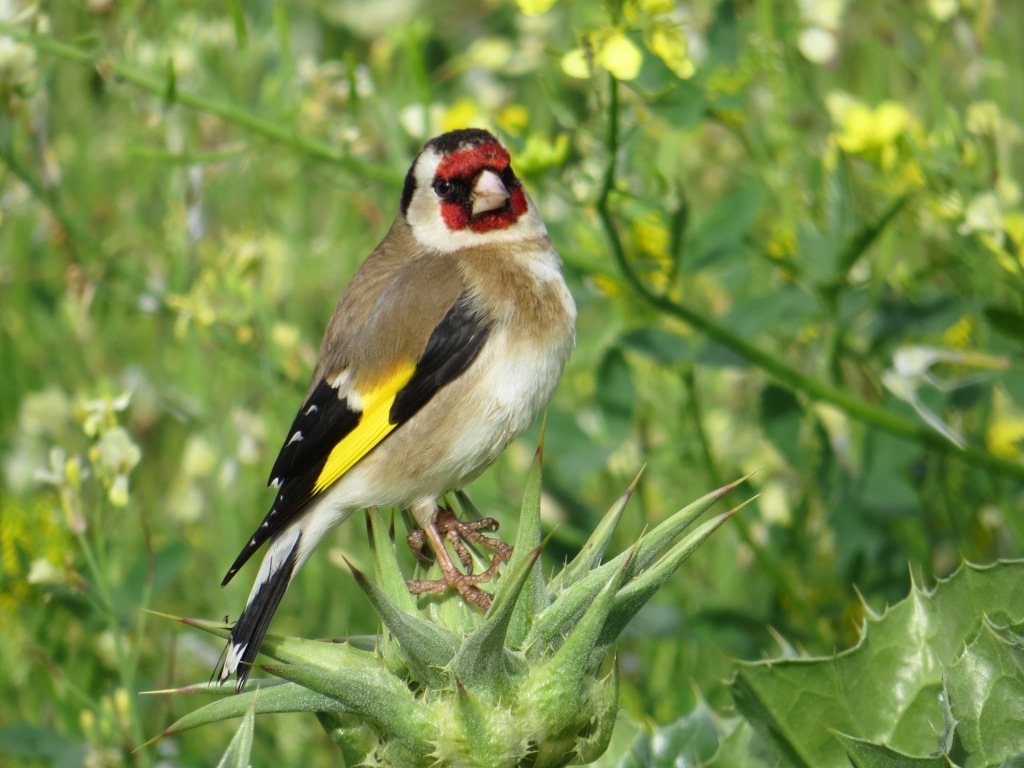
(442, 188)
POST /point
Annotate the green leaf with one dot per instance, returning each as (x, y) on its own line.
(426, 646)
(386, 571)
(655, 542)
(265, 700)
(237, 755)
(887, 689)
(743, 747)
(720, 233)
(290, 650)
(682, 105)
(574, 660)
(647, 582)
(691, 740)
(986, 696)
(865, 237)
(593, 550)
(534, 594)
(864, 754)
(483, 661)
(371, 693)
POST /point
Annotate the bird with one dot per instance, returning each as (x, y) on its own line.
(444, 347)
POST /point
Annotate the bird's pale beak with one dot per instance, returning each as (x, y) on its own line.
(489, 193)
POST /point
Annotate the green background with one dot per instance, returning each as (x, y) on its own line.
(806, 196)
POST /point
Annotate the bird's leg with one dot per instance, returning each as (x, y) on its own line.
(458, 532)
(416, 540)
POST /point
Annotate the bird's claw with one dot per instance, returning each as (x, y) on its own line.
(457, 533)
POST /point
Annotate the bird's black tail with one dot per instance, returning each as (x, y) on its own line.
(247, 635)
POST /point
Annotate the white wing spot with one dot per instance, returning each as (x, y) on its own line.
(232, 659)
(311, 410)
(252, 542)
(275, 483)
(296, 437)
(355, 402)
(265, 524)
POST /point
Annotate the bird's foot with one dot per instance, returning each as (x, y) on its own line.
(457, 533)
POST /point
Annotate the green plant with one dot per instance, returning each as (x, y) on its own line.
(530, 682)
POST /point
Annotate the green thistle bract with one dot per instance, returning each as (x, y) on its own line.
(531, 682)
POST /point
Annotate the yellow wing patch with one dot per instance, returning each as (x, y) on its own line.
(373, 427)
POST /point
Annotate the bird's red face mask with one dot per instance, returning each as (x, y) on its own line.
(478, 189)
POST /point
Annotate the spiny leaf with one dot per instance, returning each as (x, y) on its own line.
(568, 606)
(593, 550)
(386, 571)
(290, 650)
(865, 754)
(661, 537)
(208, 689)
(426, 646)
(888, 688)
(605, 696)
(535, 597)
(483, 660)
(218, 628)
(985, 686)
(237, 755)
(371, 693)
(276, 698)
(571, 661)
(635, 594)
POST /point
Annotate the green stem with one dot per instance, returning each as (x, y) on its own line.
(815, 389)
(114, 71)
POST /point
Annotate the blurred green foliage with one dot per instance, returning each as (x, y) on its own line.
(793, 229)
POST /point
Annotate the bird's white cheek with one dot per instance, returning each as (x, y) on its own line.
(431, 231)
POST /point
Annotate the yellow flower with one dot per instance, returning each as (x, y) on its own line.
(491, 53)
(535, 7)
(669, 44)
(960, 334)
(463, 113)
(620, 56)
(615, 52)
(943, 10)
(651, 236)
(864, 129)
(513, 119)
(1005, 434)
(540, 153)
(577, 64)
(657, 6)
(608, 286)
(1005, 438)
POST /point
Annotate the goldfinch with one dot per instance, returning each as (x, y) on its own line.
(445, 346)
